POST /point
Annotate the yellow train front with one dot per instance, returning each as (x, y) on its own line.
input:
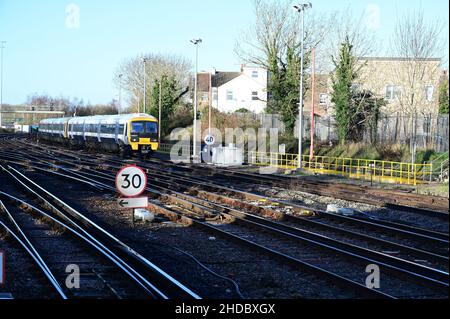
(127, 133)
(143, 135)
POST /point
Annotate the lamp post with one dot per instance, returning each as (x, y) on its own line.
(196, 42)
(301, 8)
(145, 84)
(159, 109)
(2, 46)
(120, 93)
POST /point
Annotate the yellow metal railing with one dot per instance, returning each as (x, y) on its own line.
(376, 170)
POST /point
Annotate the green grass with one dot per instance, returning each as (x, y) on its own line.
(436, 190)
(395, 153)
(430, 155)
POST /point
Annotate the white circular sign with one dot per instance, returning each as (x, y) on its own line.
(209, 140)
(131, 181)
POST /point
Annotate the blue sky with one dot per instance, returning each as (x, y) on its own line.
(47, 53)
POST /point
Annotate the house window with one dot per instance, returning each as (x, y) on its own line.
(205, 96)
(323, 98)
(255, 96)
(429, 90)
(215, 94)
(229, 95)
(255, 74)
(393, 92)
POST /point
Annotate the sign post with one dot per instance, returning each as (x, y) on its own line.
(209, 139)
(131, 182)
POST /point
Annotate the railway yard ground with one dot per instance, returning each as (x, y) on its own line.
(212, 233)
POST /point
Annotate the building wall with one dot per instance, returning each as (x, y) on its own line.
(237, 93)
(394, 75)
(26, 115)
(322, 89)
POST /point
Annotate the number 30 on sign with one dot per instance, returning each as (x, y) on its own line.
(131, 181)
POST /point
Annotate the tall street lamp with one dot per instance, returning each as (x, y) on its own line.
(145, 84)
(120, 93)
(301, 8)
(159, 109)
(2, 46)
(196, 42)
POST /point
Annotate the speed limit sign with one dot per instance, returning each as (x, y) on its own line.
(209, 140)
(131, 181)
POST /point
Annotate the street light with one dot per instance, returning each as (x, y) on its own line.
(145, 84)
(120, 93)
(2, 46)
(196, 42)
(301, 8)
(159, 109)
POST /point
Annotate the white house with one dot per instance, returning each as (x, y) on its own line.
(231, 91)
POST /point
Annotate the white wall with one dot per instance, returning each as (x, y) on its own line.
(242, 88)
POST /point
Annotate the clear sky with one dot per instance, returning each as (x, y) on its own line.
(50, 51)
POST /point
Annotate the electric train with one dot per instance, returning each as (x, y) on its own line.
(127, 134)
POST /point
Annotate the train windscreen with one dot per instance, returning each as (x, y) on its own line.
(144, 129)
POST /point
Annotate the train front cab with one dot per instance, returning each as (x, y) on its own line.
(142, 135)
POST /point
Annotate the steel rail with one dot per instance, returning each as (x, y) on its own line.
(289, 259)
(173, 285)
(37, 259)
(116, 261)
(434, 277)
(405, 230)
(305, 221)
(402, 228)
(421, 278)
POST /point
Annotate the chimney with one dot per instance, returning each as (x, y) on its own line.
(213, 71)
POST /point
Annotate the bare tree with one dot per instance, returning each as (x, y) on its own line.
(277, 28)
(346, 25)
(157, 65)
(419, 44)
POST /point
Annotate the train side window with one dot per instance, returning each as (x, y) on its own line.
(121, 128)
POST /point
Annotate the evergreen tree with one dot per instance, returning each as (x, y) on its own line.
(443, 97)
(342, 80)
(168, 101)
(283, 87)
(365, 113)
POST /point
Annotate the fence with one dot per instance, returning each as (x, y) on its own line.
(431, 131)
(381, 171)
(376, 170)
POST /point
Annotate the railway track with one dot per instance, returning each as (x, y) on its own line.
(257, 179)
(396, 198)
(153, 282)
(186, 208)
(202, 208)
(421, 204)
(413, 233)
(192, 200)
